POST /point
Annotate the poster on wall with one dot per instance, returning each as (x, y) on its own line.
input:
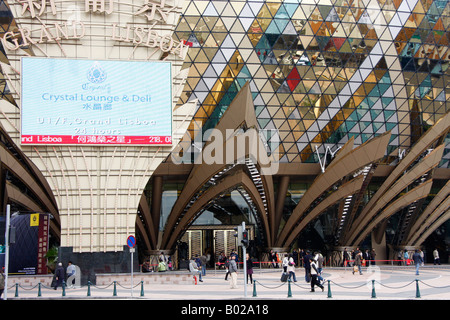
(95, 102)
(27, 253)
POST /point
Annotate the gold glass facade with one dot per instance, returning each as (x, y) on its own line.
(322, 71)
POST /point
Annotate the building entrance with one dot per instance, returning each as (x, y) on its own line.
(212, 241)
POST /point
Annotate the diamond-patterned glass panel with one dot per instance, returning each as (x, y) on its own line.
(335, 69)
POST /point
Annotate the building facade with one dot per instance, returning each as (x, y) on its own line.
(322, 124)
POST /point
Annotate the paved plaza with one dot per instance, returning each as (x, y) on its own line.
(376, 283)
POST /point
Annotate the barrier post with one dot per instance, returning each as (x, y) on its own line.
(373, 289)
(329, 289)
(115, 289)
(142, 288)
(39, 289)
(64, 289)
(289, 289)
(89, 289)
(417, 289)
(254, 288)
(17, 290)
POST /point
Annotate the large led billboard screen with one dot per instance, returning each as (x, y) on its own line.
(95, 102)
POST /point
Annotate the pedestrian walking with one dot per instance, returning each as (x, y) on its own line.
(319, 259)
(59, 276)
(418, 260)
(307, 265)
(373, 256)
(406, 257)
(235, 255)
(314, 275)
(208, 259)
(71, 273)
(399, 258)
(366, 257)
(233, 272)
(291, 268)
(249, 263)
(222, 260)
(285, 262)
(301, 257)
(357, 264)
(295, 257)
(203, 262)
(436, 258)
(227, 266)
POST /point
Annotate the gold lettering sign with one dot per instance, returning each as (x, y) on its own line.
(144, 36)
(41, 5)
(152, 9)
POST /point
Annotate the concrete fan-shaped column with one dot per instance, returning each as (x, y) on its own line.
(435, 132)
(238, 122)
(344, 191)
(415, 194)
(436, 207)
(363, 155)
(229, 182)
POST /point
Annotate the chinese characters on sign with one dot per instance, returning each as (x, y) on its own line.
(150, 8)
(100, 6)
(43, 225)
(41, 5)
(54, 31)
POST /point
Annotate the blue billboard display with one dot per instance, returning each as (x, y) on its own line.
(100, 102)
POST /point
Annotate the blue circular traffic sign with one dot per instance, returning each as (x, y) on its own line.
(131, 241)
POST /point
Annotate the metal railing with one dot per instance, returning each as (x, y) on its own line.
(270, 286)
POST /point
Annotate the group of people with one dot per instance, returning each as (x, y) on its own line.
(64, 277)
(403, 258)
(164, 264)
(359, 257)
(197, 265)
(230, 263)
(312, 263)
(417, 258)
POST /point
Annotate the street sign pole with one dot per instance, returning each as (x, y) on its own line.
(131, 252)
(131, 242)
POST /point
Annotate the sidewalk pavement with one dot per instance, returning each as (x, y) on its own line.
(376, 283)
